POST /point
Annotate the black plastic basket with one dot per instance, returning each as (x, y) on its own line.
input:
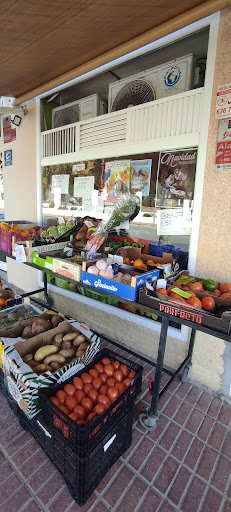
(3, 388)
(83, 438)
(82, 474)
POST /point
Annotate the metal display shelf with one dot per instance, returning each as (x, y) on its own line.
(148, 418)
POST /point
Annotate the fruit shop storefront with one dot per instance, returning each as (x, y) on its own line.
(205, 240)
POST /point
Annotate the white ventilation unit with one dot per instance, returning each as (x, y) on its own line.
(173, 77)
(85, 108)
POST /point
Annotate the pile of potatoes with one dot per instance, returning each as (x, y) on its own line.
(39, 324)
(63, 349)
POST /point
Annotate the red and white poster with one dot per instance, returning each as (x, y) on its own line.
(9, 134)
(223, 103)
(223, 149)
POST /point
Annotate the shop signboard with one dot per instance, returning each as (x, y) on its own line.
(223, 147)
(223, 103)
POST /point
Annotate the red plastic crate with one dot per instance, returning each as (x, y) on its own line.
(6, 240)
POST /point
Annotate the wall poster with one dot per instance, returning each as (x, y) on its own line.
(140, 176)
(175, 178)
(223, 148)
(117, 178)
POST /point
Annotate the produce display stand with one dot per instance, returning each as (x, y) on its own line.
(148, 419)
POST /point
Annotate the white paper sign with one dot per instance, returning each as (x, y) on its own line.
(173, 221)
(60, 181)
(20, 254)
(223, 103)
(83, 185)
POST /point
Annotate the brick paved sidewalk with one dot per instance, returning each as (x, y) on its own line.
(184, 465)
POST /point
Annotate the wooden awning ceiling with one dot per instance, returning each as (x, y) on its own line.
(44, 44)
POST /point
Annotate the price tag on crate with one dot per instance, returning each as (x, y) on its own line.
(20, 254)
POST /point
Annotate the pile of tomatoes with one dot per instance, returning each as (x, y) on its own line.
(91, 393)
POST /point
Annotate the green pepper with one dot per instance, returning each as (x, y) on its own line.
(209, 285)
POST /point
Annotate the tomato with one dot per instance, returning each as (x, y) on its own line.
(174, 295)
(81, 422)
(121, 388)
(2, 303)
(54, 400)
(113, 394)
(79, 409)
(195, 302)
(93, 395)
(99, 408)
(90, 416)
(208, 303)
(94, 373)
(216, 292)
(169, 290)
(196, 286)
(99, 367)
(97, 383)
(57, 422)
(103, 399)
(78, 383)
(69, 389)
(106, 360)
(225, 287)
(226, 295)
(163, 291)
(86, 378)
(132, 374)
(127, 382)
(118, 375)
(74, 416)
(103, 389)
(116, 365)
(87, 404)
(103, 377)
(87, 387)
(79, 394)
(124, 369)
(70, 402)
(109, 370)
(111, 381)
(61, 396)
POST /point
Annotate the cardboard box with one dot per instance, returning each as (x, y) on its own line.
(29, 248)
(200, 295)
(166, 262)
(121, 290)
(67, 268)
(24, 384)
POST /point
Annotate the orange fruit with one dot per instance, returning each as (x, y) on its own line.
(150, 262)
(15, 227)
(4, 226)
(174, 295)
(138, 263)
(162, 290)
(2, 303)
(126, 261)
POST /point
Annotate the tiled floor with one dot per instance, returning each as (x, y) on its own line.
(183, 465)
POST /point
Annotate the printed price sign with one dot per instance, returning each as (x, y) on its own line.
(223, 104)
(223, 149)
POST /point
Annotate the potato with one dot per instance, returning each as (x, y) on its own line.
(55, 320)
(67, 352)
(40, 368)
(48, 368)
(78, 340)
(29, 321)
(69, 336)
(32, 363)
(83, 346)
(65, 344)
(45, 351)
(57, 358)
(80, 352)
(27, 332)
(55, 366)
(41, 325)
(27, 358)
(58, 338)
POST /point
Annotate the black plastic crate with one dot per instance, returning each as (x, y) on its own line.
(82, 474)
(3, 388)
(83, 438)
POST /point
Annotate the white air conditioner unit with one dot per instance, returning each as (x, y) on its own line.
(173, 77)
(79, 110)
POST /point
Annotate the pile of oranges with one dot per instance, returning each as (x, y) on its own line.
(139, 263)
(91, 393)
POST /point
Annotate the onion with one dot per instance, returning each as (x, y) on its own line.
(106, 273)
(93, 270)
(101, 264)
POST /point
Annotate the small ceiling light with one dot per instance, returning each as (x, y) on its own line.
(17, 120)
